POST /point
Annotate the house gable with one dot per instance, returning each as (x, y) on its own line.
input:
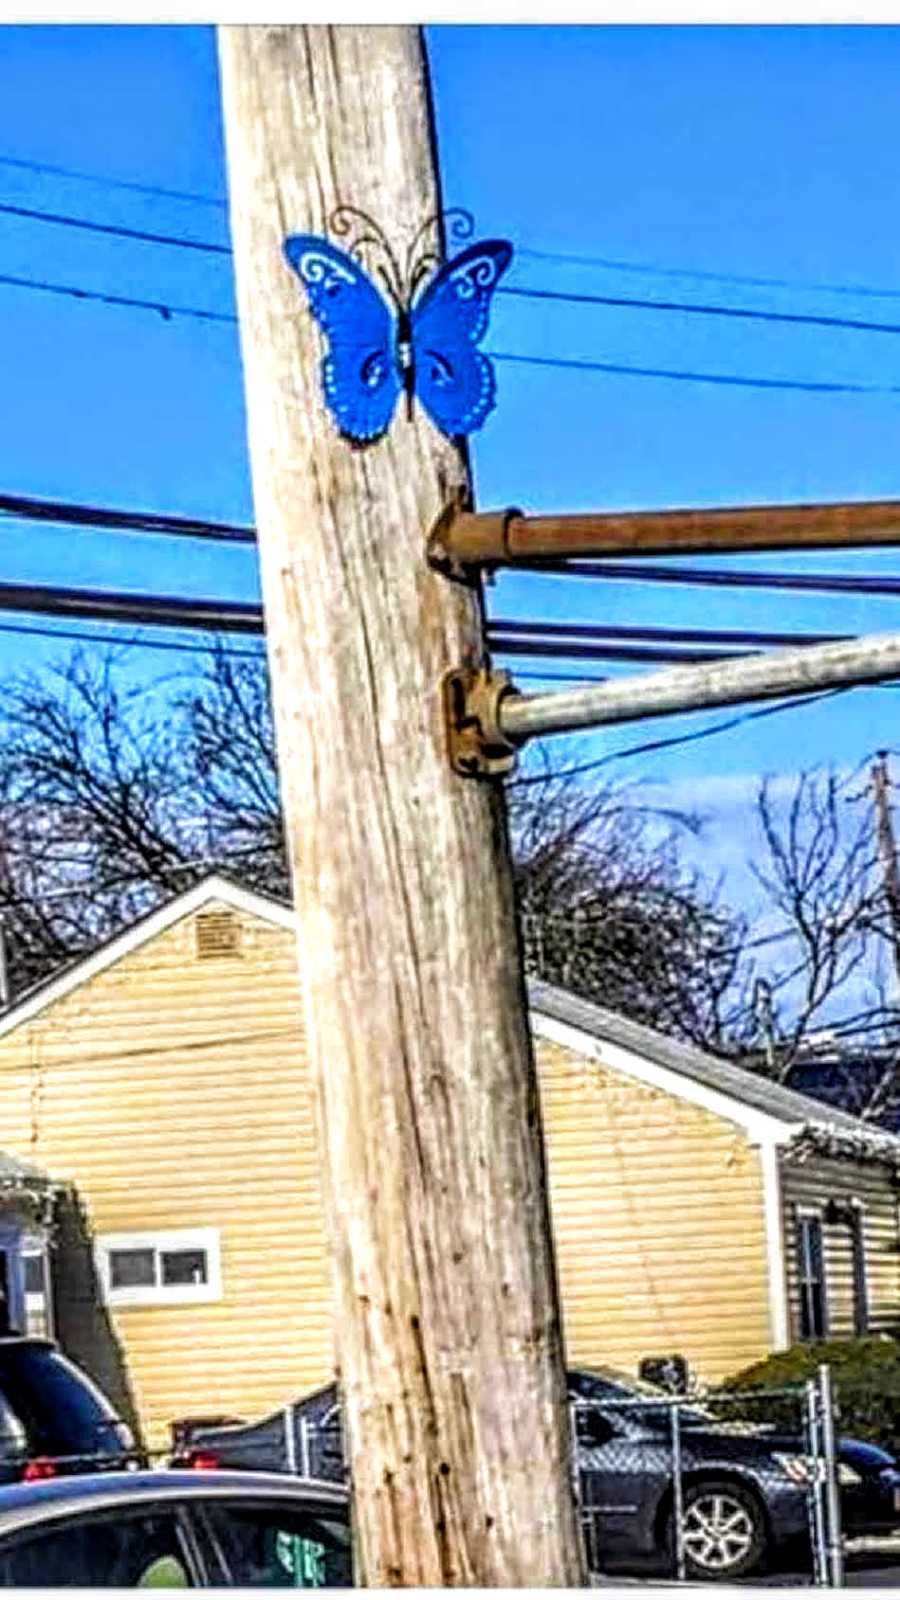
(211, 890)
(169, 1088)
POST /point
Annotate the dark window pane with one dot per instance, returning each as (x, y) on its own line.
(811, 1278)
(109, 1550)
(34, 1274)
(271, 1547)
(132, 1269)
(183, 1266)
(860, 1286)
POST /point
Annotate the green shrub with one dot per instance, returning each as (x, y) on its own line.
(865, 1375)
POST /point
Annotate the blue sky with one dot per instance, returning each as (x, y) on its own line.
(681, 161)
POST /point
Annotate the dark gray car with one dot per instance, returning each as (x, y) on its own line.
(175, 1529)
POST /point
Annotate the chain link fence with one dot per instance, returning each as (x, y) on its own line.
(711, 1489)
(706, 1487)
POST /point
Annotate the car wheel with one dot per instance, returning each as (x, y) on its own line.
(723, 1531)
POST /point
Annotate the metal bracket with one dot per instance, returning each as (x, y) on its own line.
(437, 553)
(477, 745)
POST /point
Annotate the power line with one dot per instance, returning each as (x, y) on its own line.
(29, 508)
(563, 677)
(716, 577)
(706, 636)
(118, 230)
(618, 368)
(169, 310)
(161, 611)
(114, 183)
(626, 302)
(85, 636)
(562, 650)
(653, 745)
(688, 309)
(219, 203)
(607, 263)
(67, 513)
(162, 308)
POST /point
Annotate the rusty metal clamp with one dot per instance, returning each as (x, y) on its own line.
(477, 745)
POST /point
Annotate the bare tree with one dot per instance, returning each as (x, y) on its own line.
(113, 797)
(609, 911)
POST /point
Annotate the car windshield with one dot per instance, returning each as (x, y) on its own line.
(614, 1388)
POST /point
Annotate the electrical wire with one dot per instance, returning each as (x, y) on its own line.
(620, 368)
(85, 636)
(714, 577)
(748, 280)
(558, 650)
(170, 310)
(146, 236)
(167, 311)
(67, 513)
(615, 264)
(709, 636)
(563, 677)
(561, 641)
(634, 303)
(161, 611)
(653, 745)
(28, 508)
(131, 184)
(117, 229)
(626, 302)
(72, 292)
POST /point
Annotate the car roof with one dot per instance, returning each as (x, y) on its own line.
(24, 1503)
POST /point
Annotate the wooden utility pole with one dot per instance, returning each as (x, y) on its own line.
(445, 1302)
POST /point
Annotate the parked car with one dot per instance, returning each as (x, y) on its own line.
(303, 1438)
(53, 1419)
(745, 1483)
(174, 1529)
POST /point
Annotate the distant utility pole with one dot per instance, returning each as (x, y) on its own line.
(887, 848)
(445, 1302)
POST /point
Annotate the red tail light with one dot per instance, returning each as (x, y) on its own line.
(203, 1460)
(38, 1468)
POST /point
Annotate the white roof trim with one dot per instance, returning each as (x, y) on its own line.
(761, 1126)
(212, 888)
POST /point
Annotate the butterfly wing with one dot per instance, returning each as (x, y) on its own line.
(360, 379)
(453, 379)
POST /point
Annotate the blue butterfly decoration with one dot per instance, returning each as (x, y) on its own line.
(407, 340)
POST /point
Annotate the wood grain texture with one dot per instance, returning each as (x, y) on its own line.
(445, 1303)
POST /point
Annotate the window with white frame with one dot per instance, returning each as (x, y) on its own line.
(171, 1266)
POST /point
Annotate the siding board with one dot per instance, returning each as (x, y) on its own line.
(658, 1222)
(125, 1088)
(812, 1184)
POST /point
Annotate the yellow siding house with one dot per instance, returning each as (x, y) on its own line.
(697, 1209)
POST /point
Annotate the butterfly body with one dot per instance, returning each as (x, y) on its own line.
(377, 351)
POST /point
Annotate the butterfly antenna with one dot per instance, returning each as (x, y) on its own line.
(343, 220)
(455, 224)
